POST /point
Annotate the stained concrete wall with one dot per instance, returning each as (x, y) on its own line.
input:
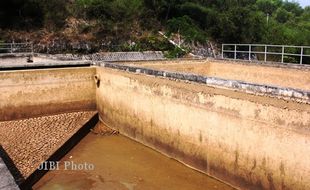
(293, 76)
(253, 142)
(29, 93)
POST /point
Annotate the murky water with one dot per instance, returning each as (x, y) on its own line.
(123, 164)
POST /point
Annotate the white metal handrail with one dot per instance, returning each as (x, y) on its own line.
(16, 47)
(234, 49)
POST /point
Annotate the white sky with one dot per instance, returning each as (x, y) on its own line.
(304, 3)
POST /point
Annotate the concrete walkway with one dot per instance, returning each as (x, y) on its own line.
(7, 181)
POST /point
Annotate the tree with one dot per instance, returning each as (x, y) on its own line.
(268, 6)
(293, 7)
(282, 15)
(20, 14)
(55, 12)
(187, 28)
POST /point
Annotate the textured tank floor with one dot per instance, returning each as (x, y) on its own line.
(31, 141)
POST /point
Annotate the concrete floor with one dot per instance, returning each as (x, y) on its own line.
(123, 164)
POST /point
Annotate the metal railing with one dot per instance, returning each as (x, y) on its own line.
(264, 52)
(16, 47)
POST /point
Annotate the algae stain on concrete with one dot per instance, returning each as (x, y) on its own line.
(123, 164)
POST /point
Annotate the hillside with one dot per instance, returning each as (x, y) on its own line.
(133, 25)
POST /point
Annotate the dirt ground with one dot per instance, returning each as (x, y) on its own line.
(31, 141)
(291, 76)
(101, 129)
(187, 67)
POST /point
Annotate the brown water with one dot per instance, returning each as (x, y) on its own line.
(123, 164)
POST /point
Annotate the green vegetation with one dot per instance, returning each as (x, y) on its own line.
(229, 21)
(176, 52)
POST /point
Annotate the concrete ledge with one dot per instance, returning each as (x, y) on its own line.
(250, 88)
(9, 175)
(42, 65)
(15, 55)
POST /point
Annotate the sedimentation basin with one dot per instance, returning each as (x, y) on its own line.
(246, 124)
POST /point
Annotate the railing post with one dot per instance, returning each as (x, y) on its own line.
(11, 48)
(31, 47)
(235, 53)
(282, 55)
(222, 51)
(250, 49)
(301, 54)
(265, 53)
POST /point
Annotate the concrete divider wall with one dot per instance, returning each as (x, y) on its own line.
(253, 142)
(109, 56)
(31, 93)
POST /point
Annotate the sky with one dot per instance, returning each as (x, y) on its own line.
(304, 3)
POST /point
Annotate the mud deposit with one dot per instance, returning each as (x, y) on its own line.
(123, 164)
(29, 142)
